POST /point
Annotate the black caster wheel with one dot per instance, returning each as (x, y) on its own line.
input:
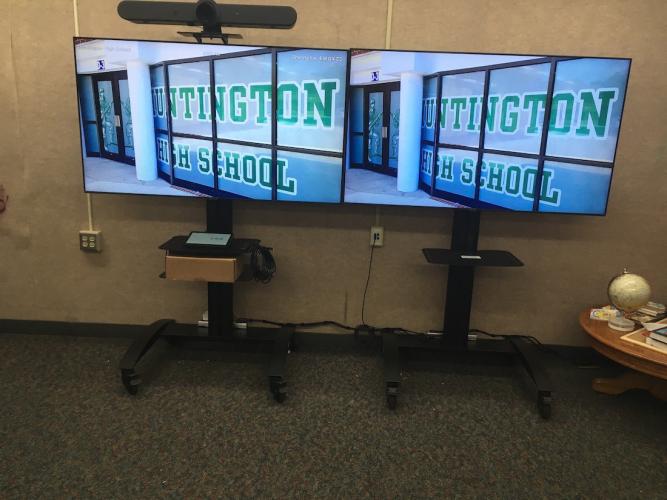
(279, 391)
(131, 383)
(544, 406)
(280, 397)
(392, 401)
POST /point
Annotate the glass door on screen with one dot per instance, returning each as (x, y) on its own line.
(125, 117)
(376, 129)
(114, 116)
(382, 116)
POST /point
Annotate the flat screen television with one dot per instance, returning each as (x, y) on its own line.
(361, 126)
(415, 134)
(148, 127)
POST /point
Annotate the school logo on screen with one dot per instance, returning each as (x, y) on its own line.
(233, 166)
(579, 114)
(305, 104)
(501, 177)
(309, 103)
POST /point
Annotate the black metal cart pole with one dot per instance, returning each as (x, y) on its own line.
(219, 219)
(221, 334)
(462, 258)
(458, 299)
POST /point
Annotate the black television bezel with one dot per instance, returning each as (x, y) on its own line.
(344, 157)
(229, 196)
(543, 56)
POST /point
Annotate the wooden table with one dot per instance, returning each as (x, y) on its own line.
(648, 368)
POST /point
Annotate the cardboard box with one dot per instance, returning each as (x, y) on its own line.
(211, 269)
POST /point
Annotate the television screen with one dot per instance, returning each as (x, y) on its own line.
(415, 134)
(187, 119)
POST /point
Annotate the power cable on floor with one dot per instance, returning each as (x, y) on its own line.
(368, 279)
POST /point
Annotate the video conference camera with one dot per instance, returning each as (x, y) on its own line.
(208, 14)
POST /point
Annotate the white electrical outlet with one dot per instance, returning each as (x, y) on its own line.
(377, 236)
(90, 241)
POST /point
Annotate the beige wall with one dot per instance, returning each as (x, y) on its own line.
(322, 253)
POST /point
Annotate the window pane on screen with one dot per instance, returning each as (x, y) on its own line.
(508, 181)
(515, 110)
(357, 110)
(461, 108)
(193, 161)
(586, 108)
(91, 138)
(428, 108)
(394, 118)
(126, 115)
(573, 188)
(87, 100)
(375, 126)
(455, 172)
(159, 98)
(162, 153)
(245, 171)
(86, 97)
(426, 165)
(356, 149)
(304, 177)
(189, 86)
(311, 98)
(108, 112)
(243, 98)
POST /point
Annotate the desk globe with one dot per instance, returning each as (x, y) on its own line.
(627, 292)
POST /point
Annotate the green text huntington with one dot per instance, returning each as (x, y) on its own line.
(586, 113)
(310, 103)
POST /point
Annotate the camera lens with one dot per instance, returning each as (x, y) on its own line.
(206, 11)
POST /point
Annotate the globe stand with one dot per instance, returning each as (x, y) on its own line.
(621, 323)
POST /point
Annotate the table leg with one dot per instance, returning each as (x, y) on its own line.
(632, 380)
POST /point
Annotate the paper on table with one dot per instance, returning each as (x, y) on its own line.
(653, 326)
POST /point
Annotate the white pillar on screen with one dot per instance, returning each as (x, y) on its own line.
(143, 128)
(409, 131)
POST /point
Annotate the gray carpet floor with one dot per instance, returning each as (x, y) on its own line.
(210, 429)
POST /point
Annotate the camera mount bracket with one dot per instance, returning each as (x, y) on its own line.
(208, 14)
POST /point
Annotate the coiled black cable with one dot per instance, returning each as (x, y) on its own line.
(262, 263)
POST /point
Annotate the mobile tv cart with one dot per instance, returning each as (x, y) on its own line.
(454, 344)
(221, 334)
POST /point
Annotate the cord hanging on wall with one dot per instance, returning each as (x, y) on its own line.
(208, 14)
(4, 198)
